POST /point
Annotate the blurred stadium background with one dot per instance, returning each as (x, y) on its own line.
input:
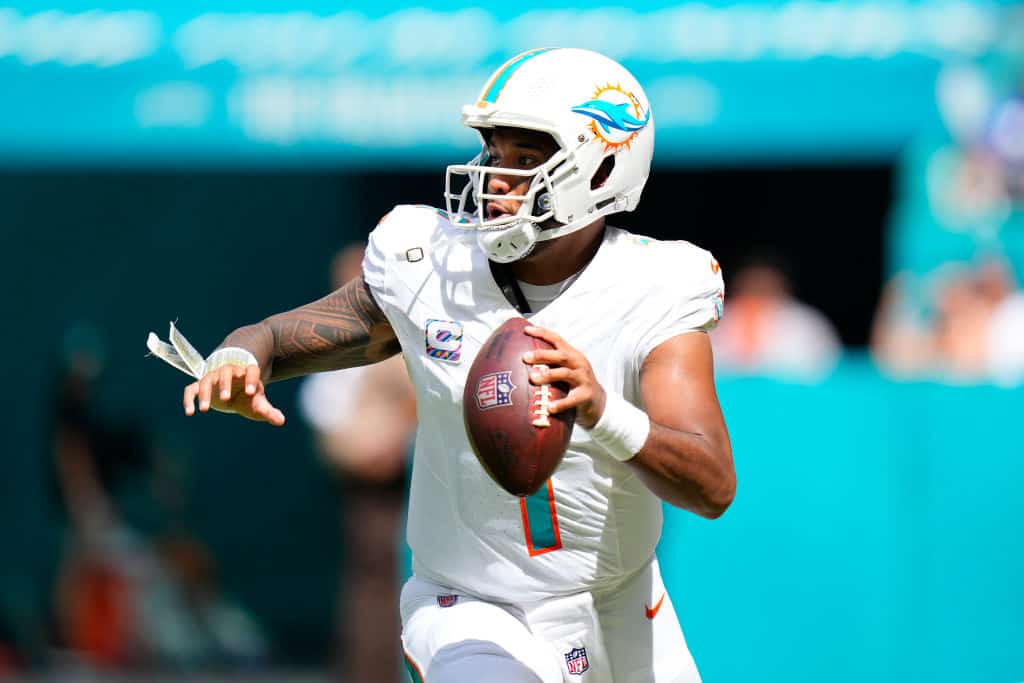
(202, 162)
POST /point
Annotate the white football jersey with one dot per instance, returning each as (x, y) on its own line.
(595, 521)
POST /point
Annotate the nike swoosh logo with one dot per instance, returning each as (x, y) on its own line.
(652, 612)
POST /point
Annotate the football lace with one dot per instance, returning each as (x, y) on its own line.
(541, 402)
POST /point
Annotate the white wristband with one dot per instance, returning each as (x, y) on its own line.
(182, 355)
(622, 429)
(230, 355)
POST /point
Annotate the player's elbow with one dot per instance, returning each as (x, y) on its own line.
(718, 500)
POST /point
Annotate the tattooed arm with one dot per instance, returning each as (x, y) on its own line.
(342, 330)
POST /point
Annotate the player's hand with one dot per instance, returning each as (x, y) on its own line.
(233, 389)
(567, 364)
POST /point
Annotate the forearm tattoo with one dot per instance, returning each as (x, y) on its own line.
(344, 329)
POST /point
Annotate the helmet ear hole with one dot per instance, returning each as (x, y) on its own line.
(603, 172)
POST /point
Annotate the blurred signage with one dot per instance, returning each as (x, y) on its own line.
(266, 83)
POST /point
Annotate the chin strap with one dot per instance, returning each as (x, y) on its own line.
(603, 208)
(509, 287)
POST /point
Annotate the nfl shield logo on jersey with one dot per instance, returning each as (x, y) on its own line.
(576, 660)
(495, 390)
(447, 600)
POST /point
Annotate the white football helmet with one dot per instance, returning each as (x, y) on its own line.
(593, 108)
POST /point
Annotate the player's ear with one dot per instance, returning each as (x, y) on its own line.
(603, 171)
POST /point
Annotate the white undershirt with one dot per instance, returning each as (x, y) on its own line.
(539, 296)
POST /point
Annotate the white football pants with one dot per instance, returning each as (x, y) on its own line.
(625, 634)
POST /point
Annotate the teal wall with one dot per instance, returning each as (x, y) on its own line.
(877, 535)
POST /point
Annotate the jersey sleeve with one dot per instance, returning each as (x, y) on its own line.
(689, 297)
(375, 259)
(403, 236)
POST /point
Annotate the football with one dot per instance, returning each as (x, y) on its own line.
(515, 439)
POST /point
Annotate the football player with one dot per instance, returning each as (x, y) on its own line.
(562, 586)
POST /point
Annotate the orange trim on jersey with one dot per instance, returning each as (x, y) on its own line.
(414, 670)
(534, 552)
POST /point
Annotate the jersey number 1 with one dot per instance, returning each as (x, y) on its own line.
(540, 521)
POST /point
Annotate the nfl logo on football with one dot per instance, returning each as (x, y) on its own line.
(576, 660)
(495, 390)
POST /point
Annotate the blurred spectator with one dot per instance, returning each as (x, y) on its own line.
(1005, 137)
(120, 602)
(767, 331)
(961, 191)
(960, 204)
(965, 324)
(211, 631)
(364, 419)
(10, 658)
(94, 609)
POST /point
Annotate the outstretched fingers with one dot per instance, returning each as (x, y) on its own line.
(189, 398)
(225, 376)
(218, 390)
(252, 379)
(206, 391)
(263, 408)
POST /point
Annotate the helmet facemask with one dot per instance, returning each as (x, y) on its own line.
(512, 237)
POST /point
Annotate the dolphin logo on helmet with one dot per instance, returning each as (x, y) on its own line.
(610, 115)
